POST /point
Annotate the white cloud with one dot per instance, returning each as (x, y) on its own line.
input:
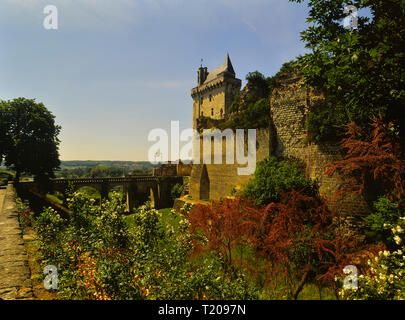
(249, 24)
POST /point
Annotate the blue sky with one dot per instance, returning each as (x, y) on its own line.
(116, 69)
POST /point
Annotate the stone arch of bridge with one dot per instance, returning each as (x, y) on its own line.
(137, 190)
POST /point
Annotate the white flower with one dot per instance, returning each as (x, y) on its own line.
(397, 239)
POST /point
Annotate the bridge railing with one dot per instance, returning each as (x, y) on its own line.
(109, 180)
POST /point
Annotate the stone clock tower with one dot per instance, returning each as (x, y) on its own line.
(215, 92)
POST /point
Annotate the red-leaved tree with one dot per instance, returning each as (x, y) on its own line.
(298, 238)
(373, 157)
(223, 226)
(306, 241)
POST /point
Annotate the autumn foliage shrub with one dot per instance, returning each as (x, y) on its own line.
(374, 166)
(298, 238)
(372, 161)
(222, 227)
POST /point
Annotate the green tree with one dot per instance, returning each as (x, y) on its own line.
(4, 130)
(273, 177)
(254, 115)
(31, 138)
(256, 78)
(361, 71)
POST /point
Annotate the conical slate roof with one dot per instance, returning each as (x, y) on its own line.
(226, 67)
(228, 64)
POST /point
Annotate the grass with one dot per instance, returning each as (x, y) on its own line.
(90, 192)
(311, 292)
(54, 198)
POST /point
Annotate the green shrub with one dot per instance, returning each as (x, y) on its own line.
(99, 257)
(273, 176)
(176, 191)
(254, 116)
(321, 123)
(49, 227)
(386, 213)
(147, 225)
(257, 79)
(234, 107)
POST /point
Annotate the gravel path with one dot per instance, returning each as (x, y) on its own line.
(15, 280)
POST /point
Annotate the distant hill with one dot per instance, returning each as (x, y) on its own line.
(101, 168)
(130, 165)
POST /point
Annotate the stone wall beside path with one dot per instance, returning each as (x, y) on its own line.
(15, 282)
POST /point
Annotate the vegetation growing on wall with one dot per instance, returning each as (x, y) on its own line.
(251, 107)
(373, 162)
(361, 72)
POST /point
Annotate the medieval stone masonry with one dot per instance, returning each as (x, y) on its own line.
(286, 136)
(215, 92)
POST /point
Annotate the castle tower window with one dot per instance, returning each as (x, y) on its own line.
(210, 97)
(212, 111)
(222, 112)
(202, 114)
(202, 99)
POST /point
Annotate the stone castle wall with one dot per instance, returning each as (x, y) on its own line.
(213, 99)
(290, 104)
(216, 181)
(287, 137)
(173, 169)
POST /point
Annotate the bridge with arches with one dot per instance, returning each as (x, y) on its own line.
(137, 189)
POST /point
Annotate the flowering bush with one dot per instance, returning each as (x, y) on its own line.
(25, 215)
(77, 247)
(147, 222)
(99, 257)
(385, 277)
(49, 227)
(387, 213)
